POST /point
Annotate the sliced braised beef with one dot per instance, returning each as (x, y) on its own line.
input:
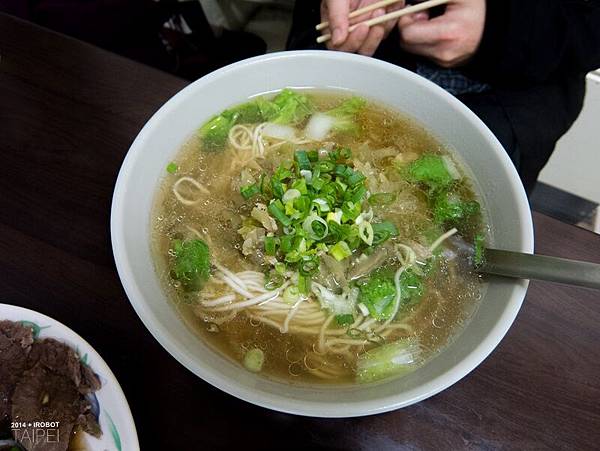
(62, 359)
(44, 381)
(44, 395)
(15, 344)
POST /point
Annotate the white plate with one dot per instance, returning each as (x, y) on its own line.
(118, 428)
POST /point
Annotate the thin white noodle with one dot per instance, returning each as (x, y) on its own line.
(236, 287)
(222, 300)
(396, 300)
(255, 300)
(366, 324)
(202, 236)
(347, 341)
(194, 182)
(322, 333)
(441, 239)
(290, 315)
(236, 134)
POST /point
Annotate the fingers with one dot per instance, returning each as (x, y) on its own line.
(405, 21)
(362, 39)
(374, 37)
(425, 31)
(355, 39)
(449, 40)
(338, 11)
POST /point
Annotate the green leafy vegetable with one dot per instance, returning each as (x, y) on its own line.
(411, 288)
(451, 210)
(215, 132)
(430, 170)
(191, 263)
(288, 107)
(383, 231)
(344, 320)
(392, 359)
(377, 293)
(249, 191)
(292, 107)
(345, 115)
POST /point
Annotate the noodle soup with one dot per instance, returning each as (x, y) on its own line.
(318, 238)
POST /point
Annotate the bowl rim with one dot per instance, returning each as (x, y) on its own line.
(282, 403)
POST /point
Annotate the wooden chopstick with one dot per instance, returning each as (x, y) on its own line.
(390, 16)
(358, 12)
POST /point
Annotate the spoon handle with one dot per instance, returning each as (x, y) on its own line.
(541, 267)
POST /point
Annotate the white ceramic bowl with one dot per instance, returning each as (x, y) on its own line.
(448, 119)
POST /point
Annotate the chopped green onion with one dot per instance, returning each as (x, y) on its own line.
(303, 284)
(335, 216)
(345, 153)
(341, 186)
(344, 320)
(343, 171)
(313, 155)
(300, 185)
(172, 168)
(302, 160)
(322, 205)
(350, 210)
(340, 251)
(270, 245)
(276, 209)
(318, 183)
(290, 195)
(309, 266)
(254, 360)
(315, 227)
(249, 190)
(355, 178)
(293, 256)
(285, 243)
(273, 280)
(302, 204)
(365, 232)
(325, 166)
(277, 187)
(307, 175)
(280, 268)
(291, 294)
(356, 194)
(381, 199)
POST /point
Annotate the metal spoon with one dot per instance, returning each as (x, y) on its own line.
(540, 267)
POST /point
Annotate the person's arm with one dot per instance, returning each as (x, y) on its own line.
(535, 41)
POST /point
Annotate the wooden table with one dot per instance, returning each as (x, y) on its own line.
(68, 113)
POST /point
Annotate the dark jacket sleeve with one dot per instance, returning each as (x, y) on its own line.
(527, 42)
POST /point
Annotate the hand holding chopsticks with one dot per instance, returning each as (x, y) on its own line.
(377, 20)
